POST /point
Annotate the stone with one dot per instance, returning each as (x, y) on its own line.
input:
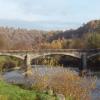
(60, 97)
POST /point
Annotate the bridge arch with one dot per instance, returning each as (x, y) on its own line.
(93, 55)
(10, 55)
(93, 62)
(74, 59)
(56, 53)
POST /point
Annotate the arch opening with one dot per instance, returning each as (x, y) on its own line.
(57, 60)
(7, 62)
(94, 62)
(94, 55)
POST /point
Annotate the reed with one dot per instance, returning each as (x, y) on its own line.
(64, 81)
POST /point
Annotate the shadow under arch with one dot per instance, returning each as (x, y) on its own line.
(93, 55)
(66, 54)
(63, 59)
(12, 56)
(9, 61)
(93, 62)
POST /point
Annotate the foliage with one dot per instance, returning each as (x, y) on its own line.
(11, 92)
(2, 42)
(49, 60)
(65, 82)
(23, 39)
(90, 40)
(93, 40)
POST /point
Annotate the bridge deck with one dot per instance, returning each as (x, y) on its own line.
(51, 50)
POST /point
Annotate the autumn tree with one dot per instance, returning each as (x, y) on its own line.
(2, 42)
(93, 40)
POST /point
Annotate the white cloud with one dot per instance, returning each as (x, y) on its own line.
(40, 10)
(50, 11)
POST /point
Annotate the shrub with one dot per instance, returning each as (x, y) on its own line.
(64, 82)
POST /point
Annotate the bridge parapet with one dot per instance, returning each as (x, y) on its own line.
(43, 52)
(17, 55)
(51, 50)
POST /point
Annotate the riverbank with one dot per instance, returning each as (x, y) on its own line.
(59, 80)
(12, 92)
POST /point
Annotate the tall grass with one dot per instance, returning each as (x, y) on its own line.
(64, 81)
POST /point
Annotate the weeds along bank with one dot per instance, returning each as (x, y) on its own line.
(12, 92)
(66, 82)
(54, 83)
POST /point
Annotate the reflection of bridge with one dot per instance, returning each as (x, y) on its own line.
(82, 54)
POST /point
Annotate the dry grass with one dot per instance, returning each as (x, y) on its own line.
(1, 77)
(64, 82)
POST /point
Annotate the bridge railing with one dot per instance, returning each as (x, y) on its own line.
(57, 50)
(50, 50)
(40, 50)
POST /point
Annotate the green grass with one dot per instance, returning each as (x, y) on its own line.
(12, 92)
(2, 58)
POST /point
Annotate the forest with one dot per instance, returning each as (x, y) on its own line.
(85, 37)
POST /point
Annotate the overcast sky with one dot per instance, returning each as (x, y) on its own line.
(48, 14)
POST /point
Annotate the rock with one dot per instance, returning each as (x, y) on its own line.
(28, 72)
(50, 92)
(60, 96)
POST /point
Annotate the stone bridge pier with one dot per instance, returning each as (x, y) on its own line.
(83, 70)
(84, 61)
(27, 62)
(27, 65)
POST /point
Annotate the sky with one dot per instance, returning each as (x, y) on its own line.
(48, 14)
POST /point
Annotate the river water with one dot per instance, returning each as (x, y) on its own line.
(16, 76)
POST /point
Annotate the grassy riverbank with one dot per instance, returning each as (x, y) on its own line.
(49, 84)
(12, 92)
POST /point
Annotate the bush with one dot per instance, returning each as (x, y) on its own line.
(64, 82)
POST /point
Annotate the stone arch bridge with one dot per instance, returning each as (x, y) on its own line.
(28, 55)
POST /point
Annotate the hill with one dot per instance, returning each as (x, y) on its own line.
(92, 26)
(11, 38)
(23, 39)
